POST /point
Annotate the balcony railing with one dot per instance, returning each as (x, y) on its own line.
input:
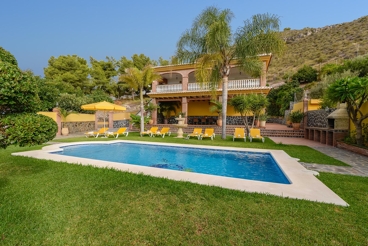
(169, 88)
(233, 84)
(198, 86)
(244, 83)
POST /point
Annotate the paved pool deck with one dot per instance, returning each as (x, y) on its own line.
(358, 163)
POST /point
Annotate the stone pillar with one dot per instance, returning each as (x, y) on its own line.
(305, 110)
(111, 119)
(154, 86)
(184, 106)
(58, 120)
(185, 83)
(96, 120)
(264, 74)
(154, 112)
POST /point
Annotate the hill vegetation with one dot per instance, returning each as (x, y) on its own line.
(318, 46)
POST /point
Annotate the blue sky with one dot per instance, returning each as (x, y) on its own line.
(35, 30)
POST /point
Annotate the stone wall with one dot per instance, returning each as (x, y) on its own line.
(318, 118)
(276, 120)
(75, 127)
(121, 123)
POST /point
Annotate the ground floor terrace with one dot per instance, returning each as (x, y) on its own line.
(196, 109)
(270, 130)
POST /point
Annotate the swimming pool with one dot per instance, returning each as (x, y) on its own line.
(303, 183)
(227, 163)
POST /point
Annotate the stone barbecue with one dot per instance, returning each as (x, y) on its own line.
(339, 119)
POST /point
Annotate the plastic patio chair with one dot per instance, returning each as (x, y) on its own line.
(239, 133)
(255, 134)
(196, 133)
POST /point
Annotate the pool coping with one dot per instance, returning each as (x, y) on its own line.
(304, 185)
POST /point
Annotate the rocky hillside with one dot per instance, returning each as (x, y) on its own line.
(318, 46)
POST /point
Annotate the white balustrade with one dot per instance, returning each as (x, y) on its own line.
(169, 88)
(243, 83)
(233, 84)
(199, 86)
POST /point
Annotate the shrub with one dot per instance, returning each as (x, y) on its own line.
(28, 129)
(71, 102)
(19, 92)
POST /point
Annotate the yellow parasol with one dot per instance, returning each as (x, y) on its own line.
(103, 106)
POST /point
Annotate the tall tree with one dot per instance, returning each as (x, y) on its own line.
(138, 61)
(68, 73)
(102, 73)
(18, 90)
(138, 79)
(213, 46)
(6, 56)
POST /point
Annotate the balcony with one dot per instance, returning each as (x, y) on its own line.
(233, 84)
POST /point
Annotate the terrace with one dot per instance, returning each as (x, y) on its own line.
(233, 84)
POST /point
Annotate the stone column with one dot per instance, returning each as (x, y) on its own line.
(184, 106)
(58, 120)
(305, 110)
(96, 120)
(154, 112)
(185, 83)
(154, 86)
(111, 119)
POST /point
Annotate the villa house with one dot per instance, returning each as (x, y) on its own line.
(179, 85)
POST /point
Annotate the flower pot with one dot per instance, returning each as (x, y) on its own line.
(65, 131)
(219, 122)
(296, 126)
(150, 122)
(262, 123)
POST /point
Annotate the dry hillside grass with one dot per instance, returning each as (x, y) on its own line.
(318, 46)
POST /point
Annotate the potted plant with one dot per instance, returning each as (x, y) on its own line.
(64, 113)
(262, 120)
(217, 107)
(149, 108)
(296, 117)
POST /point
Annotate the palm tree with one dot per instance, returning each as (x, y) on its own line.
(213, 46)
(138, 79)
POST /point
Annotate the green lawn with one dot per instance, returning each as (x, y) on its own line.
(49, 203)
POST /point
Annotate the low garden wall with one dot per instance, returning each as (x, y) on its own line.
(352, 148)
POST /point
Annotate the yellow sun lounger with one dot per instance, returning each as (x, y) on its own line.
(239, 133)
(255, 134)
(208, 133)
(96, 134)
(121, 131)
(150, 132)
(164, 131)
(197, 132)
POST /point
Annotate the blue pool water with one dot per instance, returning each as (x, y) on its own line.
(236, 164)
